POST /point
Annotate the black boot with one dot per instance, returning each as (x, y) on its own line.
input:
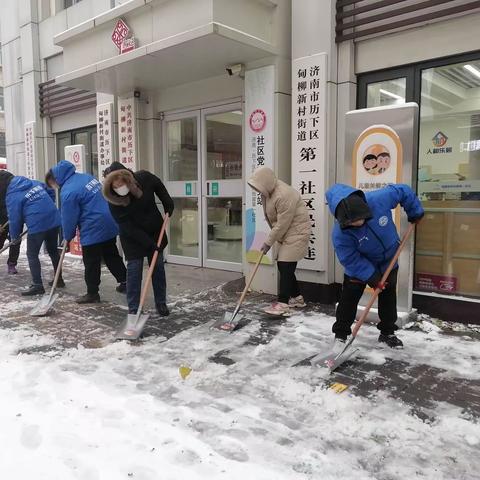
(163, 310)
(33, 290)
(122, 287)
(88, 298)
(391, 340)
(60, 283)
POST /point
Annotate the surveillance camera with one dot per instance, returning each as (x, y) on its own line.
(236, 70)
(136, 93)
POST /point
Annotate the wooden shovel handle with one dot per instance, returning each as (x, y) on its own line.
(58, 271)
(153, 263)
(250, 280)
(377, 291)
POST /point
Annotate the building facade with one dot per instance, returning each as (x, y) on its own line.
(204, 91)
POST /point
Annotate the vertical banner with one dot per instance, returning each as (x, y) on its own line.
(259, 131)
(127, 132)
(30, 153)
(105, 136)
(76, 154)
(309, 113)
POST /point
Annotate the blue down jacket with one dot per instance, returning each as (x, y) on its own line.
(83, 206)
(29, 202)
(368, 249)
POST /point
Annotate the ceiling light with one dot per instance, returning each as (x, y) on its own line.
(473, 70)
(392, 95)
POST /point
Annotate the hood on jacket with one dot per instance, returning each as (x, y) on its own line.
(117, 171)
(264, 181)
(20, 184)
(347, 204)
(5, 177)
(63, 171)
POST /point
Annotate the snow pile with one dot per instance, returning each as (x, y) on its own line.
(124, 412)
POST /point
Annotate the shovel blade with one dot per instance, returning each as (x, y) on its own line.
(132, 327)
(228, 323)
(333, 360)
(43, 306)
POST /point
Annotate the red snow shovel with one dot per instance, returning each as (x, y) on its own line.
(333, 360)
(47, 301)
(132, 328)
(230, 320)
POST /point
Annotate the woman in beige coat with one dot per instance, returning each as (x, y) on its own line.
(288, 218)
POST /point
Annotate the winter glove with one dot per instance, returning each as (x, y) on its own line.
(375, 281)
(416, 219)
(265, 248)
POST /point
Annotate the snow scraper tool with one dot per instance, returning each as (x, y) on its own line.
(230, 320)
(132, 327)
(46, 302)
(13, 242)
(333, 360)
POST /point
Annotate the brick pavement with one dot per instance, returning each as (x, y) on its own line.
(92, 326)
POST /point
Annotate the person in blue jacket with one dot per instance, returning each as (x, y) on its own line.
(29, 202)
(365, 240)
(83, 206)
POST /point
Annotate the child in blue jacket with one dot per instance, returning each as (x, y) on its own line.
(365, 240)
(28, 202)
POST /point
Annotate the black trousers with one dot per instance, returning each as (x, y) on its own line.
(352, 291)
(288, 281)
(14, 250)
(92, 259)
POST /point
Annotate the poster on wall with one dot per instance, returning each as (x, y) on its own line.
(309, 111)
(105, 136)
(127, 132)
(259, 123)
(30, 153)
(76, 154)
(377, 160)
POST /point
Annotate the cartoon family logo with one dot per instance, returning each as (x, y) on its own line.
(376, 159)
(439, 140)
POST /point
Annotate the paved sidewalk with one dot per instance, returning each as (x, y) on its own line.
(195, 301)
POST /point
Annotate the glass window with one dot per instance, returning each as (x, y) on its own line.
(3, 150)
(224, 229)
(2, 101)
(224, 145)
(184, 228)
(182, 149)
(69, 3)
(448, 250)
(387, 92)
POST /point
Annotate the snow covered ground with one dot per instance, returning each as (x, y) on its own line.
(123, 411)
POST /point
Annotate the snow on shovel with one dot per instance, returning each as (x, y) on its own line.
(132, 328)
(333, 360)
(230, 320)
(13, 242)
(46, 302)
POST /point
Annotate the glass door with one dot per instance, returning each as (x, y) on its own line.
(222, 168)
(181, 135)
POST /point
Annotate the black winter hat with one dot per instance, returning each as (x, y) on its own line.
(351, 209)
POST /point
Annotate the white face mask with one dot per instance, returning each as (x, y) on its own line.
(122, 191)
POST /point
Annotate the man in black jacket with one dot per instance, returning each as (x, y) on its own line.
(131, 197)
(14, 252)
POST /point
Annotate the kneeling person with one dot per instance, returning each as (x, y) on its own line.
(132, 202)
(365, 240)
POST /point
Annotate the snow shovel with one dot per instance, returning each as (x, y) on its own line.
(46, 302)
(230, 320)
(333, 360)
(132, 327)
(13, 242)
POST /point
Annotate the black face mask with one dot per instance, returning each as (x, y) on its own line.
(351, 209)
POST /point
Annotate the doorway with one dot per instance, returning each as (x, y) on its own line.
(85, 136)
(204, 175)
